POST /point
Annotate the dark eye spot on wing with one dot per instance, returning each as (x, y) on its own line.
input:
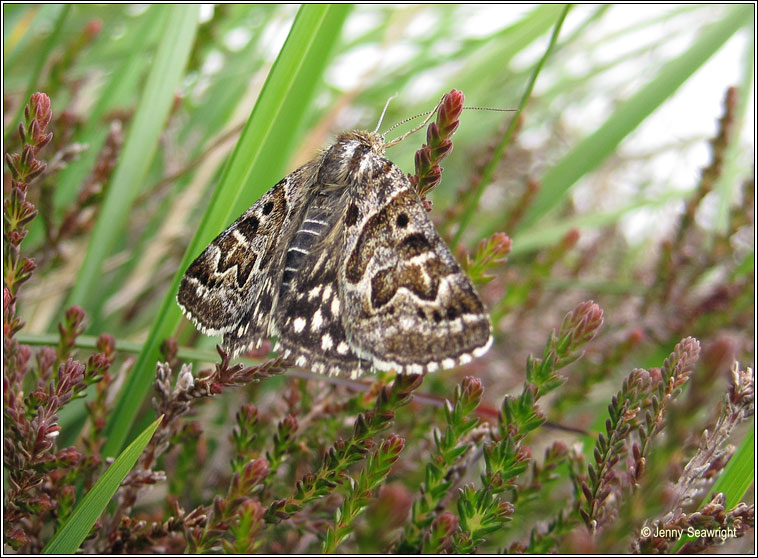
(413, 245)
(351, 217)
(268, 208)
(402, 220)
(248, 227)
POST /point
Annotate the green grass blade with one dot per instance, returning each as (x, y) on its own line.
(39, 63)
(597, 147)
(118, 92)
(255, 165)
(141, 143)
(735, 479)
(738, 474)
(489, 169)
(70, 536)
(551, 233)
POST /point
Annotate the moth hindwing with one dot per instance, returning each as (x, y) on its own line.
(340, 261)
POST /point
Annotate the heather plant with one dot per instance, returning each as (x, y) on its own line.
(612, 414)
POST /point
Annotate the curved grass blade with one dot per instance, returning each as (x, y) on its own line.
(489, 170)
(180, 27)
(70, 536)
(597, 147)
(255, 165)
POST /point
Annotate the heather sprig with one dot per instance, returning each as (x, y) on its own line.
(172, 404)
(39, 477)
(711, 525)
(543, 474)
(438, 145)
(637, 408)
(361, 491)
(175, 402)
(481, 511)
(441, 534)
(450, 448)
(18, 212)
(284, 441)
(490, 252)
(236, 513)
(76, 219)
(676, 370)
(737, 405)
(31, 430)
(520, 415)
(675, 254)
(346, 452)
(99, 364)
(245, 436)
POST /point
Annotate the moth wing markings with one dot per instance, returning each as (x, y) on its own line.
(308, 316)
(220, 288)
(408, 305)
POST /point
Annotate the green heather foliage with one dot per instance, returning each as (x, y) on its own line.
(617, 399)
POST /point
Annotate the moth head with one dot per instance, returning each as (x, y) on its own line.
(373, 140)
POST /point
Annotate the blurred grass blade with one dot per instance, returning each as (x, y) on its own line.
(551, 233)
(593, 150)
(489, 170)
(728, 183)
(256, 164)
(180, 26)
(118, 93)
(70, 536)
(42, 56)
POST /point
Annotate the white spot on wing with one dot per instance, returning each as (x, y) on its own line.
(326, 342)
(342, 348)
(317, 320)
(335, 308)
(298, 325)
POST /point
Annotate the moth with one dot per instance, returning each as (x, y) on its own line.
(340, 262)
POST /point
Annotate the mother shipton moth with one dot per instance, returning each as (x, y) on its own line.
(341, 263)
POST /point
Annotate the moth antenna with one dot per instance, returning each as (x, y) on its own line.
(428, 115)
(407, 120)
(490, 108)
(417, 128)
(386, 106)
